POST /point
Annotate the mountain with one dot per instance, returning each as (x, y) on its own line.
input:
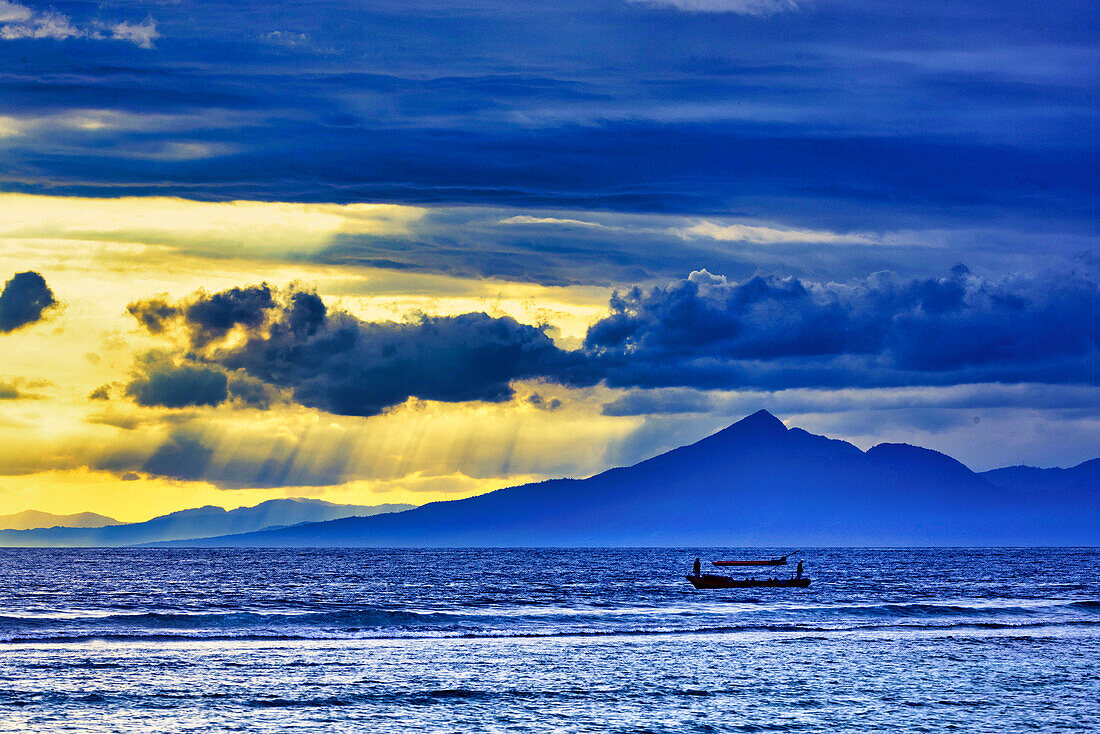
(200, 522)
(755, 483)
(1048, 482)
(29, 519)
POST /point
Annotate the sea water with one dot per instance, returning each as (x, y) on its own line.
(599, 640)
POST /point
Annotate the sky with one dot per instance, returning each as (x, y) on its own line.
(405, 251)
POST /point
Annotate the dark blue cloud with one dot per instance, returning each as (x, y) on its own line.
(25, 299)
(838, 114)
(338, 363)
(884, 330)
(703, 332)
(179, 386)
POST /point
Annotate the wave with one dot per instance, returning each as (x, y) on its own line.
(920, 609)
(533, 634)
(183, 620)
(383, 618)
(379, 623)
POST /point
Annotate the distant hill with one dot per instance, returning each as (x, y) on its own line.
(200, 522)
(28, 519)
(1048, 483)
(755, 483)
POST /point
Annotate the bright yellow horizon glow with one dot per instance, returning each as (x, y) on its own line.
(98, 255)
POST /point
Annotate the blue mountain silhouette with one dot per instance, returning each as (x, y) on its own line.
(199, 522)
(754, 483)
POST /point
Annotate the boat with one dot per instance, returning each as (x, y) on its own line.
(712, 581)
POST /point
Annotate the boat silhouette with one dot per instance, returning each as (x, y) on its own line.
(714, 581)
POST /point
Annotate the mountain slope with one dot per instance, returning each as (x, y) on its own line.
(753, 483)
(30, 519)
(1030, 478)
(200, 522)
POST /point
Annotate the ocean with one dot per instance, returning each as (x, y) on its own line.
(546, 640)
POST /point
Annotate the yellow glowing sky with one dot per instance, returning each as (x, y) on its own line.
(63, 452)
(98, 255)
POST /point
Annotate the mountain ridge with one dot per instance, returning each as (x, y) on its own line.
(755, 482)
(195, 522)
(36, 519)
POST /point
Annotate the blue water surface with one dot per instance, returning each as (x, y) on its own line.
(279, 640)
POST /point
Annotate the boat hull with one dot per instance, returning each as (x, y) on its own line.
(712, 581)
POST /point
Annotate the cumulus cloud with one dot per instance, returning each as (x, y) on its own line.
(741, 7)
(341, 364)
(142, 34)
(706, 331)
(25, 299)
(19, 21)
(179, 386)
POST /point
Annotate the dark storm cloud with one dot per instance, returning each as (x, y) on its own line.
(24, 300)
(887, 114)
(179, 386)
(154, 314)
(208, 317)
(775, 333)
(705, 332)
(338, 363)
(211, 317)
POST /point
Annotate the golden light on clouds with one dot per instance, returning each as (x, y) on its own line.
(222, 228)
(98, 255)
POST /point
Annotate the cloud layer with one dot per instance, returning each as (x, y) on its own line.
(336, 362)
(741, 7)
(833, 117)
(704, 331)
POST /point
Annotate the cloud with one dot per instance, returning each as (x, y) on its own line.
(179, 386)
(968, 398)
(19, 22)
(528, 219)
(286, 38)
(338, 363)
(740, 7)
(769, 235)
(14, 13)
(142, 34)
(155, 314)
(14, 390)
(706, 331)
(839, 123)
(182, 456)
(24, 300)
(210, 317)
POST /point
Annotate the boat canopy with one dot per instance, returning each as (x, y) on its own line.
(781, 561)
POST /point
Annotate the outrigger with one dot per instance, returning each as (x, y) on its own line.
(713, 581)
